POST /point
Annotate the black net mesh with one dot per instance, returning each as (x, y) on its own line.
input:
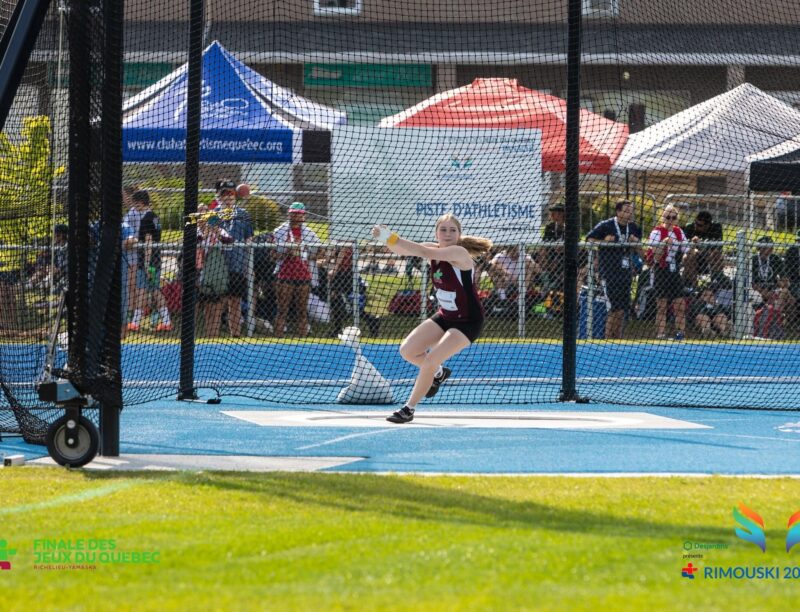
(32, 255)
(59, 238)
(370, 113)
(354, 113)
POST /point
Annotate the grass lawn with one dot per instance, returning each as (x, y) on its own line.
(336, 541)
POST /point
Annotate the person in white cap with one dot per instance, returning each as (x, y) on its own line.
(295, 270)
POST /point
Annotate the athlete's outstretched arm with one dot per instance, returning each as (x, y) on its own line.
(455, 254)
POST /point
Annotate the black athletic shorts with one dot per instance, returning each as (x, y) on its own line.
(237, 286)
(471, 329)
(617, 288)
(667, 284)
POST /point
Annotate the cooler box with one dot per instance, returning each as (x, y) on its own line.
(599, 314)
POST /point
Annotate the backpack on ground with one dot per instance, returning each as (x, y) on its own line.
(599, 315)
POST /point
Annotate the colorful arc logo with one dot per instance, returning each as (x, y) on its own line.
(793, 537)
(753, 526)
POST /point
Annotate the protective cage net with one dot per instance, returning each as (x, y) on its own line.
(29, 183)
(59, 295)
(352, 113)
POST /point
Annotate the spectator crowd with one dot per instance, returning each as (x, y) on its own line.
(669, 281)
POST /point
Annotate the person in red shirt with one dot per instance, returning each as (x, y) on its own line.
(668, 246)
(459, 320)
(295, 270)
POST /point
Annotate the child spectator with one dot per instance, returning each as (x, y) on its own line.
(709, 317)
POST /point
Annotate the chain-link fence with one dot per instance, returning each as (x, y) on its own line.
(731, 292)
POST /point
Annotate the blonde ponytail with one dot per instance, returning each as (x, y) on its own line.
(475, 245)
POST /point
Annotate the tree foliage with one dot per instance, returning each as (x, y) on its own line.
(27, 173)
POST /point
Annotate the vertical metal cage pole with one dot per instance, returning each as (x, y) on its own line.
(590, 292)
(79, 180)
(191, 186)
(423, 291)
(572, 195)
(522, 281)
(356, 288)
(101, 368)
(111, 187)
(742, 323)
(251, 291)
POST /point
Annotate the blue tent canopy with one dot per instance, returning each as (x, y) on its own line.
(245, 118)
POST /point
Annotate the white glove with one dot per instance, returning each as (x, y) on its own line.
(383, 233)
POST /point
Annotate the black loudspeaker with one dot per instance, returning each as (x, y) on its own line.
(316, 146)
(636, 117)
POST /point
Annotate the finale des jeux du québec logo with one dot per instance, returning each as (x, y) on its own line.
(750, 528)
(5, 555)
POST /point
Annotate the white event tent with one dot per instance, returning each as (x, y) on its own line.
(717, 135)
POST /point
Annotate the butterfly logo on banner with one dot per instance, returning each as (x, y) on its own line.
(751, 527)
(461, 163)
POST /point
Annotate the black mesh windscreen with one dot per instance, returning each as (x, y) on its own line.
(32, 230)
(320, 119)
(60, 177)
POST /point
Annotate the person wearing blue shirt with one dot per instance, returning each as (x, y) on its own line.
(616, 264)
(128, 242)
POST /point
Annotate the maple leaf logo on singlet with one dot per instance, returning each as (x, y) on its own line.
(437, 275)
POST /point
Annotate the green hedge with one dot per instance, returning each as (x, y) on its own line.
(645, 211)
(168, 205)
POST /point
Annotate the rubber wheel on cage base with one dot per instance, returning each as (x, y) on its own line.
(80, 454)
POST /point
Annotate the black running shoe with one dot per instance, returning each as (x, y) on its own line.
(438, 381)
(404, 415)
(374, 324)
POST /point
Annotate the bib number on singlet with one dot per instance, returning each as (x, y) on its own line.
(447, 299)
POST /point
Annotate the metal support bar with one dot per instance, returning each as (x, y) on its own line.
(251, 293)
(16, 46)
(356, 288)
(111, 187)
(590, 293)
(743, 321)
(521, 284)
(423, 292)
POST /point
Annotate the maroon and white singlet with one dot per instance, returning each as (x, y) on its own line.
(456, 293)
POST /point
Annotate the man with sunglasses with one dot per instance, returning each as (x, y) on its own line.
(702, 260)
(615, 264)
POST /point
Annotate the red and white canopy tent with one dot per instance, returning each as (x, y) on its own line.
(503, 103)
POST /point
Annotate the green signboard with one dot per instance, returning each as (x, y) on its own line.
(135, 74)
(144, 74)
(367, 75)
